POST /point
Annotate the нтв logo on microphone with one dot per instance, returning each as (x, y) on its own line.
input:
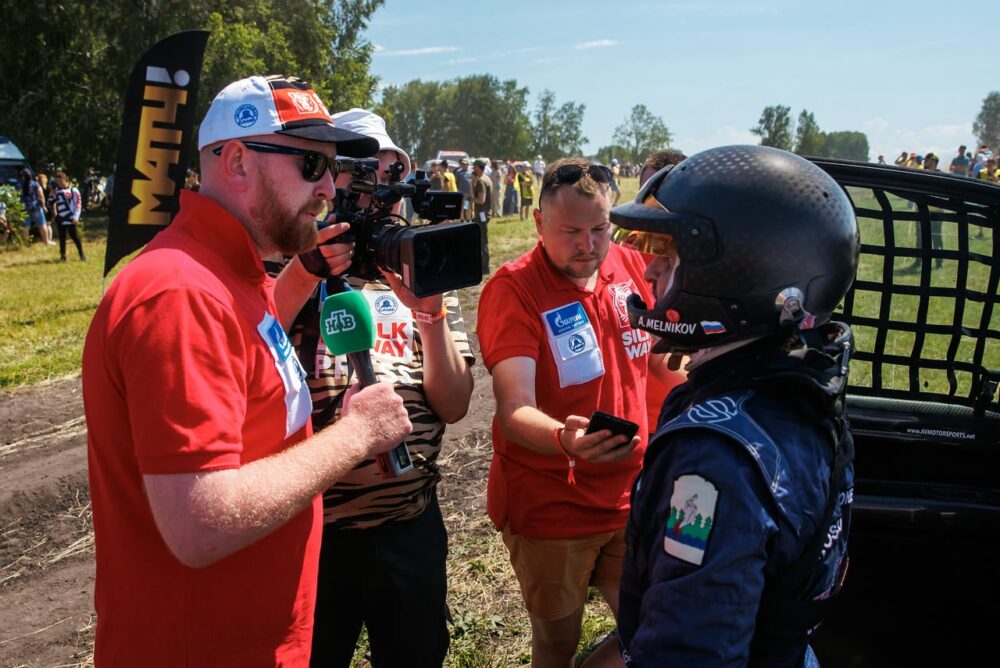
(340, 321)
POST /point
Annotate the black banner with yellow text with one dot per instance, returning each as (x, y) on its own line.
(155, 144)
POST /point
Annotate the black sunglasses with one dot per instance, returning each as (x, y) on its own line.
(313, 166)
(570, 174)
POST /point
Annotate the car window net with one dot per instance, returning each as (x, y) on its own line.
(924, 304)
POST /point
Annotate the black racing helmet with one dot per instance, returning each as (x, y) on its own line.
(765, 240)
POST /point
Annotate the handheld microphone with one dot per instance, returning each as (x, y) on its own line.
(347, 328)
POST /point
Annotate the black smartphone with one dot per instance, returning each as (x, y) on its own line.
(616, 425)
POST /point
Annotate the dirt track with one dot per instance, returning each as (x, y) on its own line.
(46, 544)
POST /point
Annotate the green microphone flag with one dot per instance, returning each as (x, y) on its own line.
(347, 328)
(346, 323)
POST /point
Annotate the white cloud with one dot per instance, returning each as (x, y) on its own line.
(527, 49)
(377, 48)
(554, 59)
(459, 61)
(722, 136)
(942, 139)
(597, 44)
(876, 125)
(425, 51)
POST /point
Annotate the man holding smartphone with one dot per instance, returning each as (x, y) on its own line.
(555, 335)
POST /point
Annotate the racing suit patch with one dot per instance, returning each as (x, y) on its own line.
(692, 513)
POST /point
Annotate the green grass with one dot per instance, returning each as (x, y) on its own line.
(46, 306)
(904, 308)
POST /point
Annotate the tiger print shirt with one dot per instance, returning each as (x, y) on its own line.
(364, 498)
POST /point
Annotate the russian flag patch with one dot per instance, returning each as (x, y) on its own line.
(712, 327)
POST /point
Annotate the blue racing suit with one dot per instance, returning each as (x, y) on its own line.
(737, 537)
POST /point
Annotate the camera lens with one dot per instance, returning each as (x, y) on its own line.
(429, 258)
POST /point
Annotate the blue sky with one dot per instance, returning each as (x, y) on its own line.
(911, 75)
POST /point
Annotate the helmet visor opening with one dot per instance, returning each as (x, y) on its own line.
(649, 243)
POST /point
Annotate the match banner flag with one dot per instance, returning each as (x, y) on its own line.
(155, 144)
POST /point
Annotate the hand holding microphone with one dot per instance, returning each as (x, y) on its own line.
(347, 329)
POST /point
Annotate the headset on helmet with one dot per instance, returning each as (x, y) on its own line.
(765, 240)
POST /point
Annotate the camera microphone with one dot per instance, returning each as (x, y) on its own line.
(347, 328)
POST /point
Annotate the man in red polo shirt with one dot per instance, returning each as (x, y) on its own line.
(554, 333)
(204, 474)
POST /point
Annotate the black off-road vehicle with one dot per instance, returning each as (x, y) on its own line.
(923, 586)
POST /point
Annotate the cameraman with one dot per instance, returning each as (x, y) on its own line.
(382, 561)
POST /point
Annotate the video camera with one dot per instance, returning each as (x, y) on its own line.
(431, 258)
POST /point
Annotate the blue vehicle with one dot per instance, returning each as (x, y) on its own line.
(12, 161)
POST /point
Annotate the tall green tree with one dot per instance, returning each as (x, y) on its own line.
(350, 54)
(569, 120)
(775, 127)
(65, 65)
(478, 114)
(848, 145)
(808, 137)
(642, 133)
(986, 127)
(544, 139)
(488, 117)
(557, 132)
(411, 114)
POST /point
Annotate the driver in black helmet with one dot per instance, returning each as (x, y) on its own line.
(737, 538)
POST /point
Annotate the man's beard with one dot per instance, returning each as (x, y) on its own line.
(281, 228)
(574, 269)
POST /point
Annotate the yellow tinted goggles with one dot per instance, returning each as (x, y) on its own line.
(651, 243)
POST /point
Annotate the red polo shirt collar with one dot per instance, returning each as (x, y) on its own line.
(206, 222)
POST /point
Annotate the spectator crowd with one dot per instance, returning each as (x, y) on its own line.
(513, 183)
(983, 165)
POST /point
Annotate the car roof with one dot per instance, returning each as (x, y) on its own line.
(8, 150)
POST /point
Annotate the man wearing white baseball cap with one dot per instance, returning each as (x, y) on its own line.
(372, 126)
(205, 473)
(382, 563)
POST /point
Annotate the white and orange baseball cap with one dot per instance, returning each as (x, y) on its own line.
(277, 105)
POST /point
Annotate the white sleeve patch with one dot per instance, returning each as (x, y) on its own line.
(692, 514)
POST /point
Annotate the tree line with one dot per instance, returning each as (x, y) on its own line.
(65, 65)
(776, 128)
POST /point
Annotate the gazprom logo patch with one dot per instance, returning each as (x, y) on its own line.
(279, 340)
(245, 115)
(566, 318)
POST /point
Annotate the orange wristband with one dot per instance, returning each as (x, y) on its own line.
(431, 318)
(570, 476)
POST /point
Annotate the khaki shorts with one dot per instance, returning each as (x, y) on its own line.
(554, 573)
